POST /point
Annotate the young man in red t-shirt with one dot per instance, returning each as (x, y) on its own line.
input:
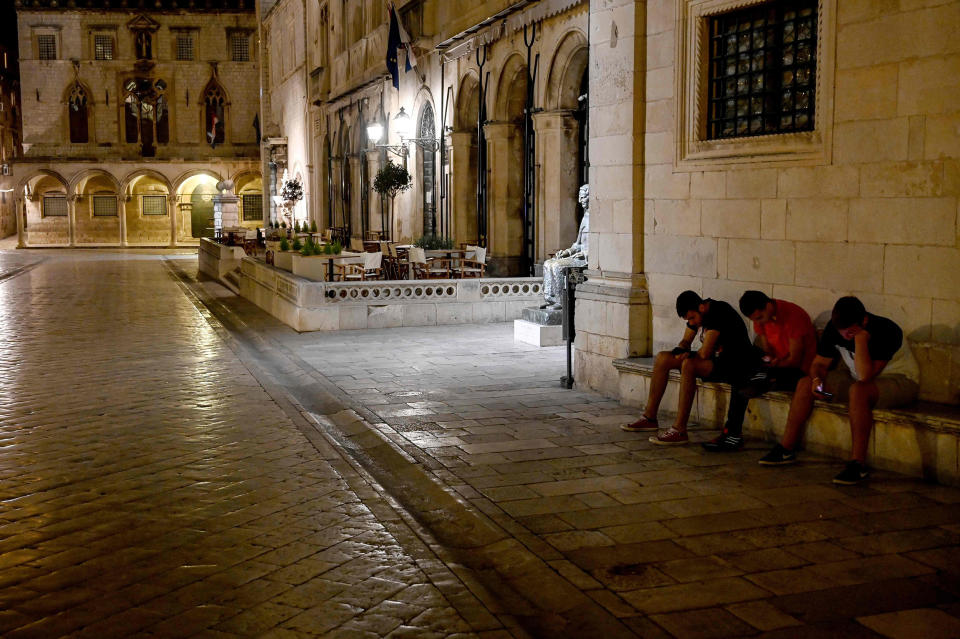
(789, 342)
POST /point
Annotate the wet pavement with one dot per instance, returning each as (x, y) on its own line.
(151, 486)
(177, 463)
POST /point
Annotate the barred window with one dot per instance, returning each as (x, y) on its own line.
(104, 206)
(154, 204)
(762, 69)
(47, 47)
(253, 207)
(240, 47)
(103, 47)
(184, 46)
(55, 206)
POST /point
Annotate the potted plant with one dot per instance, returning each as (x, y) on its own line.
(391, 180)
(284, 257)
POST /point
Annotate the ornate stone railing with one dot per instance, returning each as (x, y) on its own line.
(307, 305)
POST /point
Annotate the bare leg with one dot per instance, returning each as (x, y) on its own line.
(665, 362)
(800, 408)
(689, 371)
(863, 397)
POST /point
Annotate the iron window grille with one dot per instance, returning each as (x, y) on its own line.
(47, 47)
(184, 47)
(154, 204)
(762, 70)
(55, 206)
(240, 47)
(103, 47)
(104, 206)
(252, 207)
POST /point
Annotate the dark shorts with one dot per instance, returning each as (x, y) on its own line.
(732, 369)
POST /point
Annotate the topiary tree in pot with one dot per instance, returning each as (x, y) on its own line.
(391, 180)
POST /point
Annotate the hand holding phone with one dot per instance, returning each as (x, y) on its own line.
(818, 390)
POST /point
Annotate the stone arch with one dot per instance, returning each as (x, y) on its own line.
(129, 180)
(566, 71)
(179, 181)
(78, 182)
(41, 229)
(511, 90)
(468, 97)
(34, 179)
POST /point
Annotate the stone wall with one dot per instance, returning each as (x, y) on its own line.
(869, 208)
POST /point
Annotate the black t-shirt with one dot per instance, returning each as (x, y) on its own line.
(885, 340)
(733, 339)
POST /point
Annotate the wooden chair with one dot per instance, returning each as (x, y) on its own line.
(356, 244)
(474, 262)
(369, 269)
(424, 269)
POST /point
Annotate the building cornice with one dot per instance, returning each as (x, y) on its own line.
(151, 6)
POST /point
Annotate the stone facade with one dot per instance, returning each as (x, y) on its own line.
(10, 135)
(347, 86)
(865, 204)
(134, 118)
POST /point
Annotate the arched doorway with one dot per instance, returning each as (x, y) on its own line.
(201, 210)
(464, 157)
(428, 172)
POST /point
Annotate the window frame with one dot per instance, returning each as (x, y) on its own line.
(243, 207)
(143, 209)
(693, 150)
(104, 196)
(234, 36)
(188, 35)
(54, 196)
(97, 37)
(56, 44)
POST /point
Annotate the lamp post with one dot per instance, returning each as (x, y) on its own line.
(403, 125)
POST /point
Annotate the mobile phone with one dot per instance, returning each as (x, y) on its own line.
(825, 394)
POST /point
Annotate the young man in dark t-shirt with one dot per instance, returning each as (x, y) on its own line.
(876, 370)
(726, 355)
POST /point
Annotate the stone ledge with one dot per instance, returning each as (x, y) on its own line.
(921, 440)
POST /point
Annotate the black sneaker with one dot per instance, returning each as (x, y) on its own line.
(779, 456)
(854, 473)
(724, 443)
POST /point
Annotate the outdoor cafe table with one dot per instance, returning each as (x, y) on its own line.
(345, 257)
(454, 255)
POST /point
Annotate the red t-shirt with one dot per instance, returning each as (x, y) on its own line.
(790, 322)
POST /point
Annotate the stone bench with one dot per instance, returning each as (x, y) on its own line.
(921, 440)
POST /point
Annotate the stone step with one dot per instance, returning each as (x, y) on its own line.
(922, 440)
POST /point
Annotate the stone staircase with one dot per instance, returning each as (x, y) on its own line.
(922, 440)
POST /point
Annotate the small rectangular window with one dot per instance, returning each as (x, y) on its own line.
(103, 47)
(253, 207)
(240, 47)
(154, 204)
(54, 206)
(104, 206)
(47, 47)
(184, 46)
(762, 69)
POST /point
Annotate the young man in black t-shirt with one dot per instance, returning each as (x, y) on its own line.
(876, 370)
(726, 355)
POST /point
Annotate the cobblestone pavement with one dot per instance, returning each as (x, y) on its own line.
(668, 542)
(150, 485)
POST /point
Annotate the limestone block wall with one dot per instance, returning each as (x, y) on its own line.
(877, 217)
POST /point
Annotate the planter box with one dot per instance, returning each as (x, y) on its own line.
(313, 267)
(284, 259)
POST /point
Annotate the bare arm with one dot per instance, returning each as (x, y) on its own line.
(794, 359)
(709, 344)
(818, 371)
(867, 368)
(688, 335)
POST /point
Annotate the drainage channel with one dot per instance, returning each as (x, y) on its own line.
(503, 573)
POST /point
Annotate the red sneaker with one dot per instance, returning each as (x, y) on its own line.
(670, 437)
(642, 425)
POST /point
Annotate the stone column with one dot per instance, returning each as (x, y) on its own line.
(557, 181)
(72, 220)
(374, 223)
(613, 307)
(229, 207)
(122, 201)
(504, 197)
(463, 168)
(21, 212)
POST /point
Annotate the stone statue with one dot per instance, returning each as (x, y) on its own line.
(576, 255)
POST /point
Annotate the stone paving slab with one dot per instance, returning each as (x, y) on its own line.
(660, 538)
(151, 486)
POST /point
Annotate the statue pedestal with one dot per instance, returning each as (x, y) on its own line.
(539, 327)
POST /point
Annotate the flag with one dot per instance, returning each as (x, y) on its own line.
(405, 42)
(214, 121)
(393, 43)
(256, 126)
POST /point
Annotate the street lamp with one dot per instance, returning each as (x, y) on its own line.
(403, 125)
